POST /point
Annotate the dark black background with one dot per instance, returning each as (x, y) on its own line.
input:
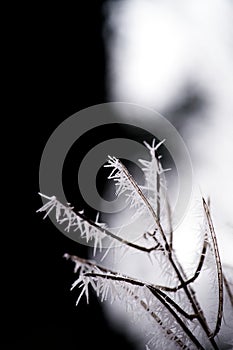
(57, 66)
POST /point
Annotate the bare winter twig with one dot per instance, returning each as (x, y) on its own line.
(174, 307)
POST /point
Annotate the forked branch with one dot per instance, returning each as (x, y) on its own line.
(92, 273)
(164, 299)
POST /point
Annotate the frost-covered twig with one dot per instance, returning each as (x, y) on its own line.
(219, 268)
(178, 312)
(97, 272)
(88, 229)
(125, 181)
(228, 289)
(195, 275)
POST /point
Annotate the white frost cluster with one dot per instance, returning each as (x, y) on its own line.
(65, 214)
(154, 188)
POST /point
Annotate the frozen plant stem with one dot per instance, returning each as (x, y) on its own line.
(157, 301)
(196, 307)
(162, 297)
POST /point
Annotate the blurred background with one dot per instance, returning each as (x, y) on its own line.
(173, 56)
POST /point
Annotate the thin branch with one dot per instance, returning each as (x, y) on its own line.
(94, 224)
(164, 299)
(158, 246)
(169, 332)
(113, 275)
(170, 223)
(146, 202)
(155, 292)
(219, 268)
(190, 294)
(196, 274)
(195, 305)
(225, 281)
(158, 189)
(183, 325)
(114, 236)
(228, 289)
